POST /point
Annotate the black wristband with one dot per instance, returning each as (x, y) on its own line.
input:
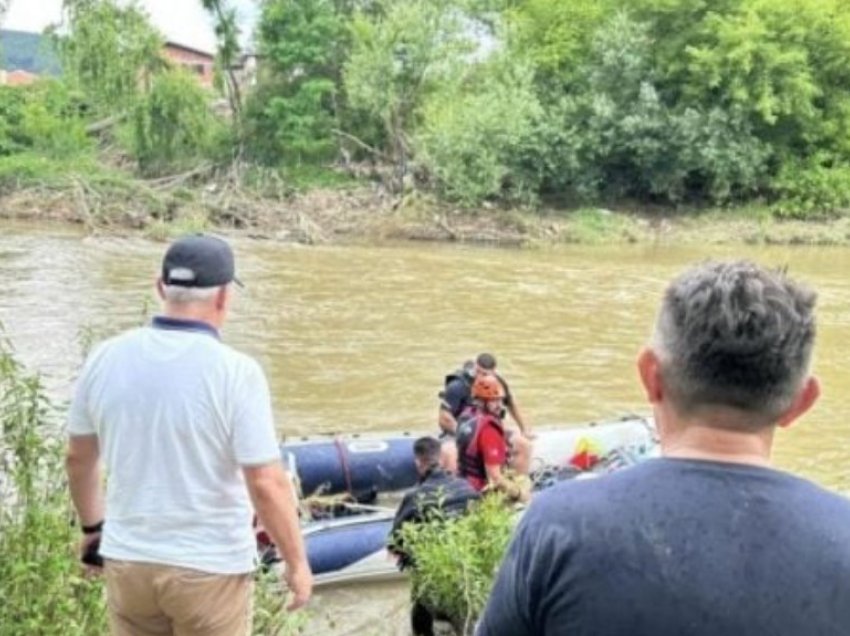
(93, 529)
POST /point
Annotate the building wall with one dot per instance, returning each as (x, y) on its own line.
(197, 63)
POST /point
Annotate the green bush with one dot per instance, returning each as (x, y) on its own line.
(617, 136)
(783, 63)
(556, 37)
(812, 191)
(291, 115)
(173, 125)
(402, 51)
(41, 581)
(291, 125)
(476, 132)
(12, 104)
(456, 560)
(108, 51)
(46, 117)
(53, 122)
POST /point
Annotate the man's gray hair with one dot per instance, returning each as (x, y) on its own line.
(735, 335)
(181, 295)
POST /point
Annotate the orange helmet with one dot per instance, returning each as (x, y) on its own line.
(487, 387)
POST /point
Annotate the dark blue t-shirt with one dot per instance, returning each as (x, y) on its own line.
(678, 548)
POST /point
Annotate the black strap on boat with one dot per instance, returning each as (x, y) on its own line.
(343, 462)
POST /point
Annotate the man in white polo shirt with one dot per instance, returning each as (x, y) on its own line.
(183, 426)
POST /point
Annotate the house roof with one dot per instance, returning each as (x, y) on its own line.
(20, 78)
(190, 49)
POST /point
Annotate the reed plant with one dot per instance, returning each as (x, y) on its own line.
(270, 615)
(455, 560)
(41, 583)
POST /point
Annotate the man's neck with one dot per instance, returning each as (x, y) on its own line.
(193, 313)
(434, 470)
(695, 440)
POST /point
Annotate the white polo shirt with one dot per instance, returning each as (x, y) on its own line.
(177, 414)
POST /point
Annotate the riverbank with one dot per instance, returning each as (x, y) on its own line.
(335, 209)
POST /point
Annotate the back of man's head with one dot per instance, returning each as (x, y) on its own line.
(737, 336)
(486, 361)
(194, 266)
(427, 451)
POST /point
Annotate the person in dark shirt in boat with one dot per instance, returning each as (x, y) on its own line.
(456, 398)
(439, 493)
(708, 539)
(482, 445)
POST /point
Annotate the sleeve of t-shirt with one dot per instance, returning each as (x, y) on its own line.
(406, 512)
(79, 417)
(253, 434)
(533, 591)
(494, 451)
(454, 395)
(507, 611)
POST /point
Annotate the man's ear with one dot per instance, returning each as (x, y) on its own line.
(804, 400)
(649, 369)
(221, 298)
(160, 288)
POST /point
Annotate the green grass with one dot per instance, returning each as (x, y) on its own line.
(595, 226)
(310, 177)
(27, 170)
(160, 230)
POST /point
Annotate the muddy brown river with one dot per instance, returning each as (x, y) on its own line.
(358, 338)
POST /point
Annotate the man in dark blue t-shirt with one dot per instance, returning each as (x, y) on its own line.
(709, 540)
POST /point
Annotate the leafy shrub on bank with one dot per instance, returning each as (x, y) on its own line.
(618, 137)
(291, 116)
(812, 191)
(173, 125)
(108, 51)
(402, 51)
(45, 117)
(473, 138)
(456, 560)
(41, 582)
(12, 104)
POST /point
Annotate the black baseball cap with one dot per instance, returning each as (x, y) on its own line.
(199, 260)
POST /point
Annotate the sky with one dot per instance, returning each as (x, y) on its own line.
(183, 21)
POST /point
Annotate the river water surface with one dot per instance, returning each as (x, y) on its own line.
(357, 338)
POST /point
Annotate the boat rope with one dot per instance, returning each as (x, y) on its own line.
(343, 462)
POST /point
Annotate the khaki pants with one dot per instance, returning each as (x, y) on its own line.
(146, 599)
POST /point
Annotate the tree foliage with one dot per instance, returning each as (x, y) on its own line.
(478, 130)
(46, 118)
(109, 52)
(401, 53)
(703, 101)
(227, 33)
(173, 126)
(618, 136)
(293, 114)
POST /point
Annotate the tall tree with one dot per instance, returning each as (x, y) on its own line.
(296, 109)
(109, 52)
(227, 32)
(400, 53)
